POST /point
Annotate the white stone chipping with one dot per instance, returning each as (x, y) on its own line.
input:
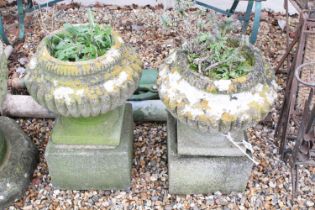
(120, 40)
(33, 63)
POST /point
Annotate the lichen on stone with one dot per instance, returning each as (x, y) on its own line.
(208, 106)
(85, 88)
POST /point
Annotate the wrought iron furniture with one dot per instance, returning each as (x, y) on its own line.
(298, 106)
(21, 14)
(244, 18)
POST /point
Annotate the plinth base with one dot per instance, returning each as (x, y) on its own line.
(192, 174)
(82, 167)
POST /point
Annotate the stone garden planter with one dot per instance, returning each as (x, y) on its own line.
(202, 113)
(91, 142)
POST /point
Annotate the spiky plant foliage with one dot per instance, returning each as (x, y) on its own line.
(79, 43)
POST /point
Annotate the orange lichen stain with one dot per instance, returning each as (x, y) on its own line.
(232, 88)
(203, 118)
(166, 100)
(188, 115)
(174, 69)
(172, 105)
(241, 79)
(203, 105)
(226, 117)
(212, 89)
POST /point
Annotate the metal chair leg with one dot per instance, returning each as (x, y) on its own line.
(21, 25)
(256, 25)
(232, 9)
(4, 38)
(294, 177)
(247, 15)
(21, 15)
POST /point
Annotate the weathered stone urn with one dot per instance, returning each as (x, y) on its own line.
(91, 142)
(207, 119)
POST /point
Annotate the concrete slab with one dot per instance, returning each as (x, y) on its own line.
(82, 167)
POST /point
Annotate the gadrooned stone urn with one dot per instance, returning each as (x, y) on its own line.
(216, 105)
(91, 142)
(86, 88)
(207, 121)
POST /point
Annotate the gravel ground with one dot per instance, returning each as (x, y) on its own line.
(269, 186)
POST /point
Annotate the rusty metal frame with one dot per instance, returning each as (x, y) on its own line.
(304, 148)
(299, 155)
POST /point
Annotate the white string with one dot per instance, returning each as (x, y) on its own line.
(246, 144)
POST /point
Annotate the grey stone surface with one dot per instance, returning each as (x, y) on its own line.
(19, 158)
(93, 167)
(2, 148)
(191, 141)
(200, 174)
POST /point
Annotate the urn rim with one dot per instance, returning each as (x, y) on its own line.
(110, 58)
(257, 74)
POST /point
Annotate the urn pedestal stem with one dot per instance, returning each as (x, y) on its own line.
(103, 130)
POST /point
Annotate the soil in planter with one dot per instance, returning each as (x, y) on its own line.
(80, 43)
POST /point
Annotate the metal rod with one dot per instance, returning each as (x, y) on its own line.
(212, 7)
(256, 23)
(247, 16)
(48, 4)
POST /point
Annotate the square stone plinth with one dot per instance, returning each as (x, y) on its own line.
(90, 130)
(191, 141)
(93, 167)
(193, 174)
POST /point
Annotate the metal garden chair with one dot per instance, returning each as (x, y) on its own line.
(29, 7)
(244, 18)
